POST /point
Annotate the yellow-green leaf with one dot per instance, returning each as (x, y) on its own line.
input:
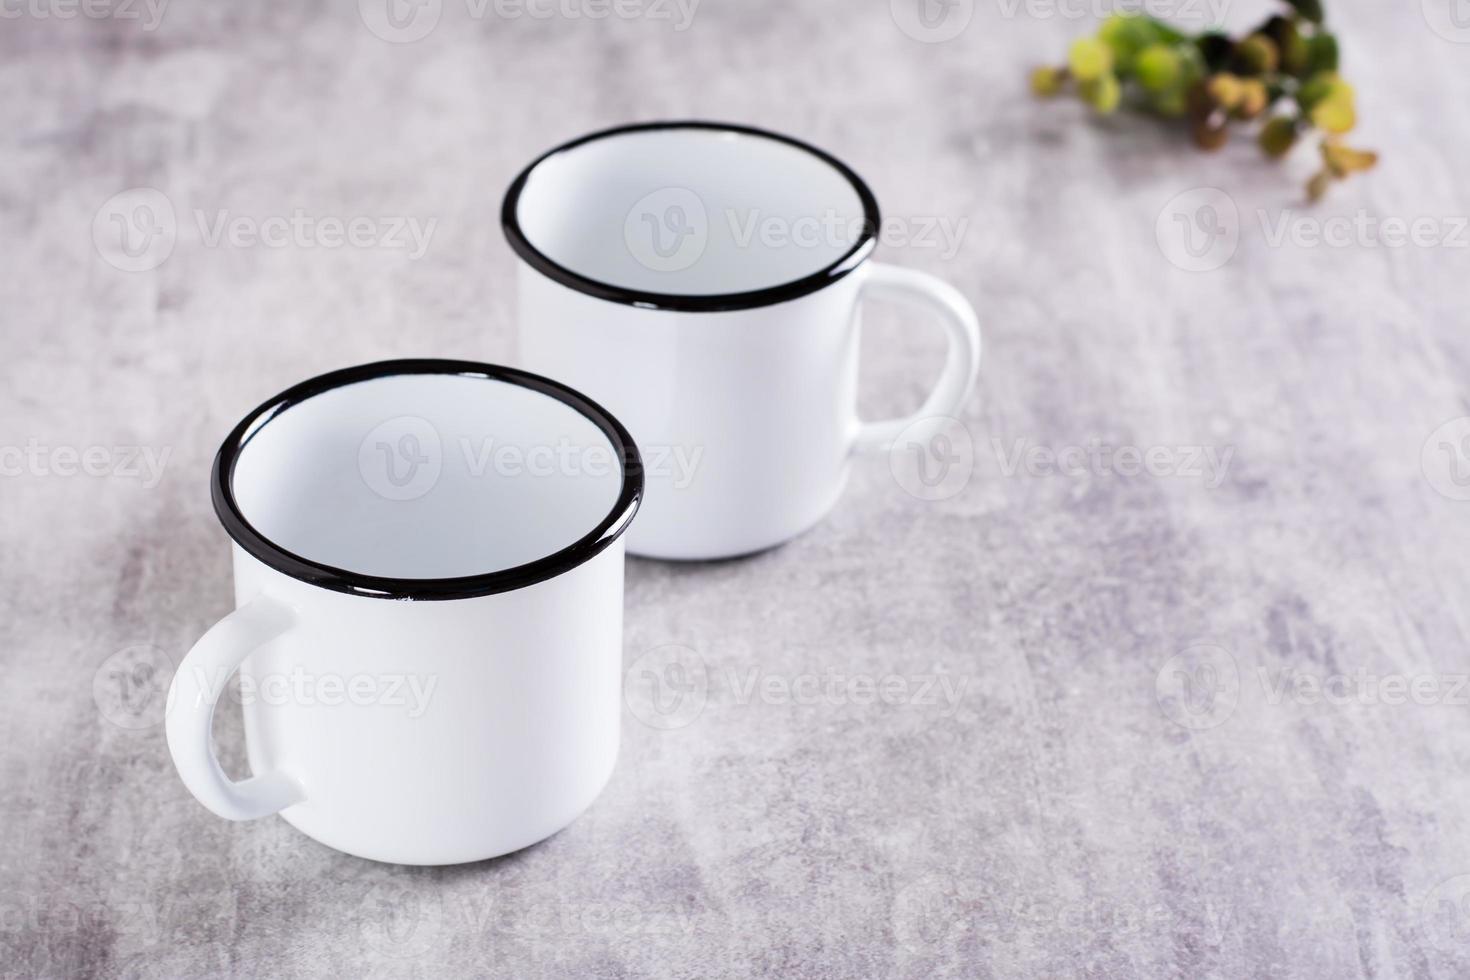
(1344, 160)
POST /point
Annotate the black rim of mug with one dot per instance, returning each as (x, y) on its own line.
(463, 587)
(693, 302)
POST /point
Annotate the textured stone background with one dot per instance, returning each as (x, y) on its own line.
(1123, 788)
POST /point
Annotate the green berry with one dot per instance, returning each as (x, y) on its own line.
(1117, 28)
(1046, 82)
(1278, 136)
(1316, 89)
(1102, 93)
(1090, 59)
(1257, 55)
(1254, 98)
(1159, 68)
(1328, 89)
(1226, 90)
(1322, 54)
(1125, 35)
(1335, 115)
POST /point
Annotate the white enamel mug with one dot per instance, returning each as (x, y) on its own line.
(428, 584)
(704, 282)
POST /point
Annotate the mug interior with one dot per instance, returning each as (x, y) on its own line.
(425, 476)
(691, 209)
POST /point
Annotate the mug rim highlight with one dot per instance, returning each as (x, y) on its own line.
(696, 302)
(425, 589)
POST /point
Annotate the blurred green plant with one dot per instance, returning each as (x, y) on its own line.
(1281, 77)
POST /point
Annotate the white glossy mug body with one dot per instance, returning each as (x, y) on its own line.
(428, 625)
(704, 282)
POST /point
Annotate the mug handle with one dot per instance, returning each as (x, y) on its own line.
(963, 363)
(191, 710)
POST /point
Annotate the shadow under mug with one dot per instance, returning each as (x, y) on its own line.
(704, 281)
(428, 574)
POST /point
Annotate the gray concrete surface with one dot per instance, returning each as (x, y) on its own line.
(1137, 771)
